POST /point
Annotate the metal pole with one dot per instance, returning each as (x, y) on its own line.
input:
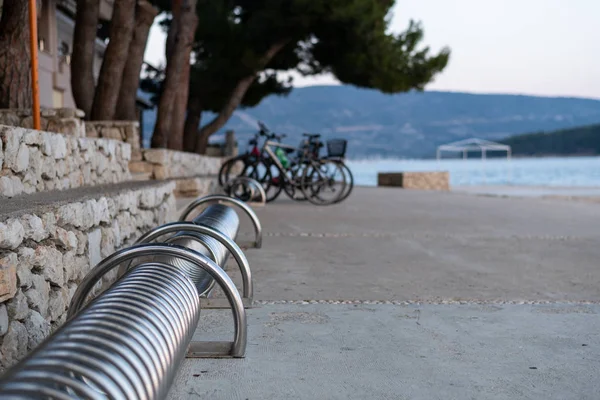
(35, 87)
(508, 158)
(483, 156)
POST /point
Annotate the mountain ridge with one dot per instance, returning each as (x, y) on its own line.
(409, 124)
(578, 141)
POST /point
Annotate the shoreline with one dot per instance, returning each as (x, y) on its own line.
(573, 193)
(530, 191)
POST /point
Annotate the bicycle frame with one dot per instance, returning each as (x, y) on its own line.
(283, 171)
(267, 149)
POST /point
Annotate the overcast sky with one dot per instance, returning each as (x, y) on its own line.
(543, 47)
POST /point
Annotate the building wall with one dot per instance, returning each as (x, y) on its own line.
(56, 45)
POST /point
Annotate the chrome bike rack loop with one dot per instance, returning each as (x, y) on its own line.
(252, 184)
(236, 252)
(236, 348)
(211, 254)
(220, 198)
(125, 267)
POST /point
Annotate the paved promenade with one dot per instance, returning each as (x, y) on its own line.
(398, 294)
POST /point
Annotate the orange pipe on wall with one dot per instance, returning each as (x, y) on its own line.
(35, 86)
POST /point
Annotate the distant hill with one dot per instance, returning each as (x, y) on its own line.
(579, 141)
(408, 124)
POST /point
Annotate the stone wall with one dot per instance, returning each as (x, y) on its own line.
(167, 164)
(59, 120)
(438, 180)
(34, 161)
(47, 250)
(123, 131)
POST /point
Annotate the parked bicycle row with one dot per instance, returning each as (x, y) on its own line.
(299, 171)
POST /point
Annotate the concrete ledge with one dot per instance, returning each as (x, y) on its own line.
(438, 180)
(196, 186)
(49, 241)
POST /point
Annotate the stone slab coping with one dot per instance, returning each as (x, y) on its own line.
(25, 204)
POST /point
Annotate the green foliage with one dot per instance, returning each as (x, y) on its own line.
(348, 38)
(576, 141)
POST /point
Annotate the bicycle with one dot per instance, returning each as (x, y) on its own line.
(313, 177)
(336, 152)
(321, 181)
(249, 164)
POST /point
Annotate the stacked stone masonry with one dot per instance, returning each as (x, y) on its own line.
(34, 161)
(166, 164)
(123, 131)
(60, 120)
(45, 253)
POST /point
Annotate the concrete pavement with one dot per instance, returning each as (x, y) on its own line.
(483, 255)
(403, 352)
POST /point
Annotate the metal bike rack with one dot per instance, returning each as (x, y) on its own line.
(252, 185)
(197, 349)
(130, 340)
(219, 198)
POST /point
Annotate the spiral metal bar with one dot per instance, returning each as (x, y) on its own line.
(127, 344)
(238, 346)
(204, 286)
(219, 198)
(190, 228)
(129, 341)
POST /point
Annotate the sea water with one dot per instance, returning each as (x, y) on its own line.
(550, 171)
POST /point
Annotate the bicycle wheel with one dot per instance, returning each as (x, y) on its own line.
(293, 189)
(349, 182)
(323, 182)
(271, 182)
(251, 167)
(232, 168)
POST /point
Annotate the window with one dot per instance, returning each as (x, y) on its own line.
(57, 98)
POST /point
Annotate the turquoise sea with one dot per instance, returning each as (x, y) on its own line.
(548, 172)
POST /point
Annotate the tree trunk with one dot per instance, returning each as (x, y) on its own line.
(15, 57)
(181, 99)
(176, 65)
(192, 123)
(115, 58)
(82, 59)
(202, 142)
(144, 16)
(226, 112)
(235, 99)
(173, 28)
